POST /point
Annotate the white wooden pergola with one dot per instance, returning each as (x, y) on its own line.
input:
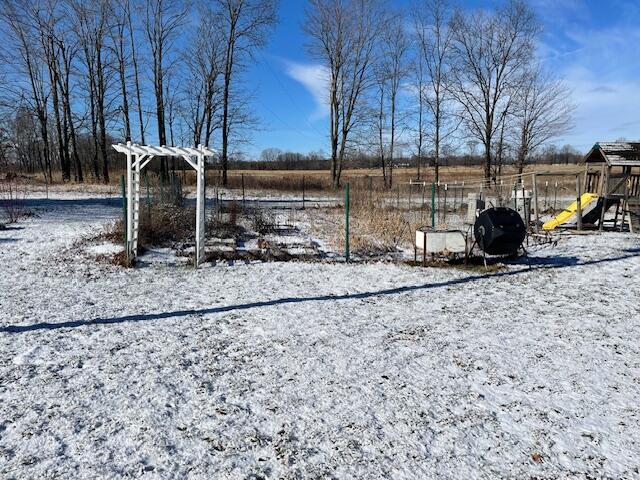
(138, 156)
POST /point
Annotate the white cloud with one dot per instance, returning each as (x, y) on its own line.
(605, 110)
(596, 64)
(314, 77)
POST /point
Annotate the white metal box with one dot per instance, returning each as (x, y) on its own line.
(441, 242)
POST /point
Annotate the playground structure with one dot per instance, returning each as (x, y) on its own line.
(138, 157)
(610, 177)
(613, 172)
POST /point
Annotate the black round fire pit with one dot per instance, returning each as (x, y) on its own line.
(499, 231)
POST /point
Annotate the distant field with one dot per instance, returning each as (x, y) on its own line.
(293, 180)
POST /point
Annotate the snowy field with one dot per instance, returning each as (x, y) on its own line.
(296, 370)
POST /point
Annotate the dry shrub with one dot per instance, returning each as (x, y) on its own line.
(161, 226)
(114, 232)
(224, 222)
(121, 259)
(262, 220)
(12, 193)
(375, 228)
(167, 224)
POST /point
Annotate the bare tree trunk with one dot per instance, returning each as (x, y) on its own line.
(118, 40)
(134, 60)
(492, 53)
(163, 19)
(53, 77)
(224, 160)
(343, 36)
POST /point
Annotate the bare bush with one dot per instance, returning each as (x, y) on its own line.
(376, 227)
(262, 220)
(160, 226)
(12, 193)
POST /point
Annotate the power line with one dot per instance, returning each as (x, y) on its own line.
(288, 94)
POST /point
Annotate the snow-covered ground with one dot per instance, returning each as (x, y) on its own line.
(296, 370)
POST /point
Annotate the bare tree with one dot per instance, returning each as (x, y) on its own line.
(91, 27)
(270, 154)
(343, 36)
(491, 51)
(163, 18)
(543, 111)
(434, 38)
(23, 36)
(395, 46)
(134, 61)
(203, 90)
(420, 93)
(45, 18)
(244, 25)
(117, 33)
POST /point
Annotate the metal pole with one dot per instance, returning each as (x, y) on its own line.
(410, 193)
(303, 192)
(242, 180)
(444, 205)
(199, 208)
(535, 202)
(546, 195)
(433, 205)
(423, 203)
(346, 221)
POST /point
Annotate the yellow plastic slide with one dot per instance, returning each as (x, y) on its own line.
(568, 213)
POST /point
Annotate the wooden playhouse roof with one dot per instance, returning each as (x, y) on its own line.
(615, 154)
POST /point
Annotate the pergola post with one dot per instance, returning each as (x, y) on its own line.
(138, 156)
(200, 207)
(129, 247)
(136, 204)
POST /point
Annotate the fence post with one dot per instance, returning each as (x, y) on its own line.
(535, 203)
(124, 213)
(444, 205)
(424, 205)
(546, 196)
(242, 180)
(303, 192)
(433, 205)
(346, 221)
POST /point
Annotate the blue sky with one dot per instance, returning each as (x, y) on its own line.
(593, 44)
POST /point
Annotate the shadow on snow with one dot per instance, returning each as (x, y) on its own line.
(539, 263)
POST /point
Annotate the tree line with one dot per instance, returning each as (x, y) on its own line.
(425, 82)
(276, 159)
(434, 76)
(77, 75)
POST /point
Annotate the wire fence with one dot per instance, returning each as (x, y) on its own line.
(371, 218)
